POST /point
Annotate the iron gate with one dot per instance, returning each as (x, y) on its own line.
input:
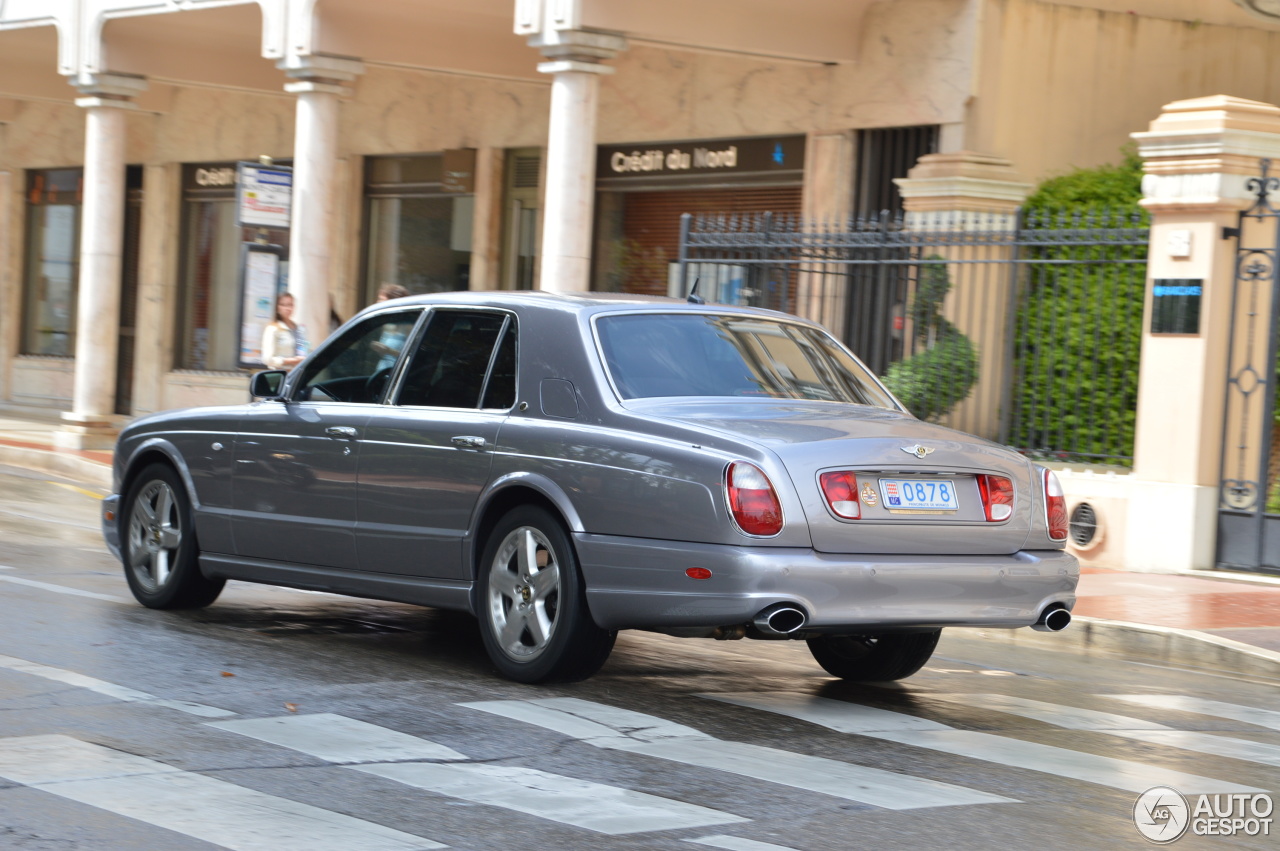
(1249, 495)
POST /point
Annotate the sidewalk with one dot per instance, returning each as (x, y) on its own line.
(1213, 619)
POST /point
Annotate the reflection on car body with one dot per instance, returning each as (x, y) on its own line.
(566, 466)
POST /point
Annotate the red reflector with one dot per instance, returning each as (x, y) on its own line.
(1055, 507)
(752, 500)
(698, 573)
(841, 490)
(997, 497)
(111, 516)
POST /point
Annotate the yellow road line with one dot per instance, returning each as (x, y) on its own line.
(85, 491)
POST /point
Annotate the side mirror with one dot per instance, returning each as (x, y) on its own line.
(267, 385)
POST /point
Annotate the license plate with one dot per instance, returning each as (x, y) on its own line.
(919, 494)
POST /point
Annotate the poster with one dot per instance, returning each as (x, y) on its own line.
(264, 195)
(261, 275)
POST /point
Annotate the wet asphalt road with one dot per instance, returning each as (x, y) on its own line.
(125, 728)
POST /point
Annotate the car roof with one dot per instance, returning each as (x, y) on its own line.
(577, 302)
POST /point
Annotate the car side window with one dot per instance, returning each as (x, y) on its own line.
(500, 392)
(357, 366)
(449, 366)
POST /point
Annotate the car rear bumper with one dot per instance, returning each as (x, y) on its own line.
(111, 528)
(636, 583)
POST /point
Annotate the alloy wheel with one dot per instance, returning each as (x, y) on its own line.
(155, 534)
(524, 593)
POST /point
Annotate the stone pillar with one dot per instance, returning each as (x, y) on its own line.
(486, 220)
(828, 202)
(1198, 156)
(972, 191)
(318, 84)
(571, 152)
(105, 98)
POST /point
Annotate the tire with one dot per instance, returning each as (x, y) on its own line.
(158, 544)
(537, 629)
(874, 658)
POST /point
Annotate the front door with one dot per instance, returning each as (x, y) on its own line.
(426, 459)
(294, 484)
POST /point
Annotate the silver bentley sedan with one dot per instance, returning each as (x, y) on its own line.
(566, 466)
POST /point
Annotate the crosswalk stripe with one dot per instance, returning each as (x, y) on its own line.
(111, 690)
(62, 589)
(336, 738)
(568, 800)
(185, 802)
(581, 803)
(633, 732)
(1268, 718)
(988, 747)
(1124, 726)
(737, 843)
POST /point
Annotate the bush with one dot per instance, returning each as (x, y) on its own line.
(944, 365)
(1079, 325)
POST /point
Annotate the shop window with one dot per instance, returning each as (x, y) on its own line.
(52, 269)
(212, 241)
(520, 224)
(417, 234)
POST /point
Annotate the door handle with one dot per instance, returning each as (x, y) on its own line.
(467, 442)
(341, 431)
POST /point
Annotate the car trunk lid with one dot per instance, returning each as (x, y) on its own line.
(887, 451)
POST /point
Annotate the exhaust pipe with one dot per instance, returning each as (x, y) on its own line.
(1053, 619)
(780, 619)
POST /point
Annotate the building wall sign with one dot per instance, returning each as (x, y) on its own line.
(211, 177)
(459, 171)
(733, 156)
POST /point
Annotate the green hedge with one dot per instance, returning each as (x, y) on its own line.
(1079, 325)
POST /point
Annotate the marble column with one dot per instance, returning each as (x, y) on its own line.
(575, 58)
(105, 98)
(318, 83)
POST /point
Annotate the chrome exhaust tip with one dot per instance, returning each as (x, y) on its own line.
(1053, 619)
(779, 619)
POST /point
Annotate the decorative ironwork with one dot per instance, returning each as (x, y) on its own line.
(1050, 300)
(1249, 499)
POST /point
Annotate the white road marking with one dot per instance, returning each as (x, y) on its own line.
(103, 687)
(185, 802)
(62, 589)
(1124, 726)
(1268, 718)
(987, 747)
(737, 843)
(567, 800)
(338, 739)
(621, 729)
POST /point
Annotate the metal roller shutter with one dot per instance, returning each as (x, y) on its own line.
(652, 221)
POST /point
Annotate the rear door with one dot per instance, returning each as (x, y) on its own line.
(427, 457)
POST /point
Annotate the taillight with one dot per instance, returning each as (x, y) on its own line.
(1055, 507)
(752, 500)
(997, 497)
(841, 490)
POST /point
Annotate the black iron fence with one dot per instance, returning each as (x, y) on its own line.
(1024, 328)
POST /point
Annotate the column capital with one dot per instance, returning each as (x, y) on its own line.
(1201, 152)
(577, 50)
(320, 72)
(962, 181)
(108, 89)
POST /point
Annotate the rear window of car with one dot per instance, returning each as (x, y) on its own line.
(689, 354)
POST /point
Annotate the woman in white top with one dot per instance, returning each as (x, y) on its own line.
(283, 343)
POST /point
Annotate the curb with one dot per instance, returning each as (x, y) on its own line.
(72, 466)
(1140, 642)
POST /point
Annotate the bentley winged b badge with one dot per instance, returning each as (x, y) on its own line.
(918, 450)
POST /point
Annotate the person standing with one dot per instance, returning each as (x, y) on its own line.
(284, 343)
